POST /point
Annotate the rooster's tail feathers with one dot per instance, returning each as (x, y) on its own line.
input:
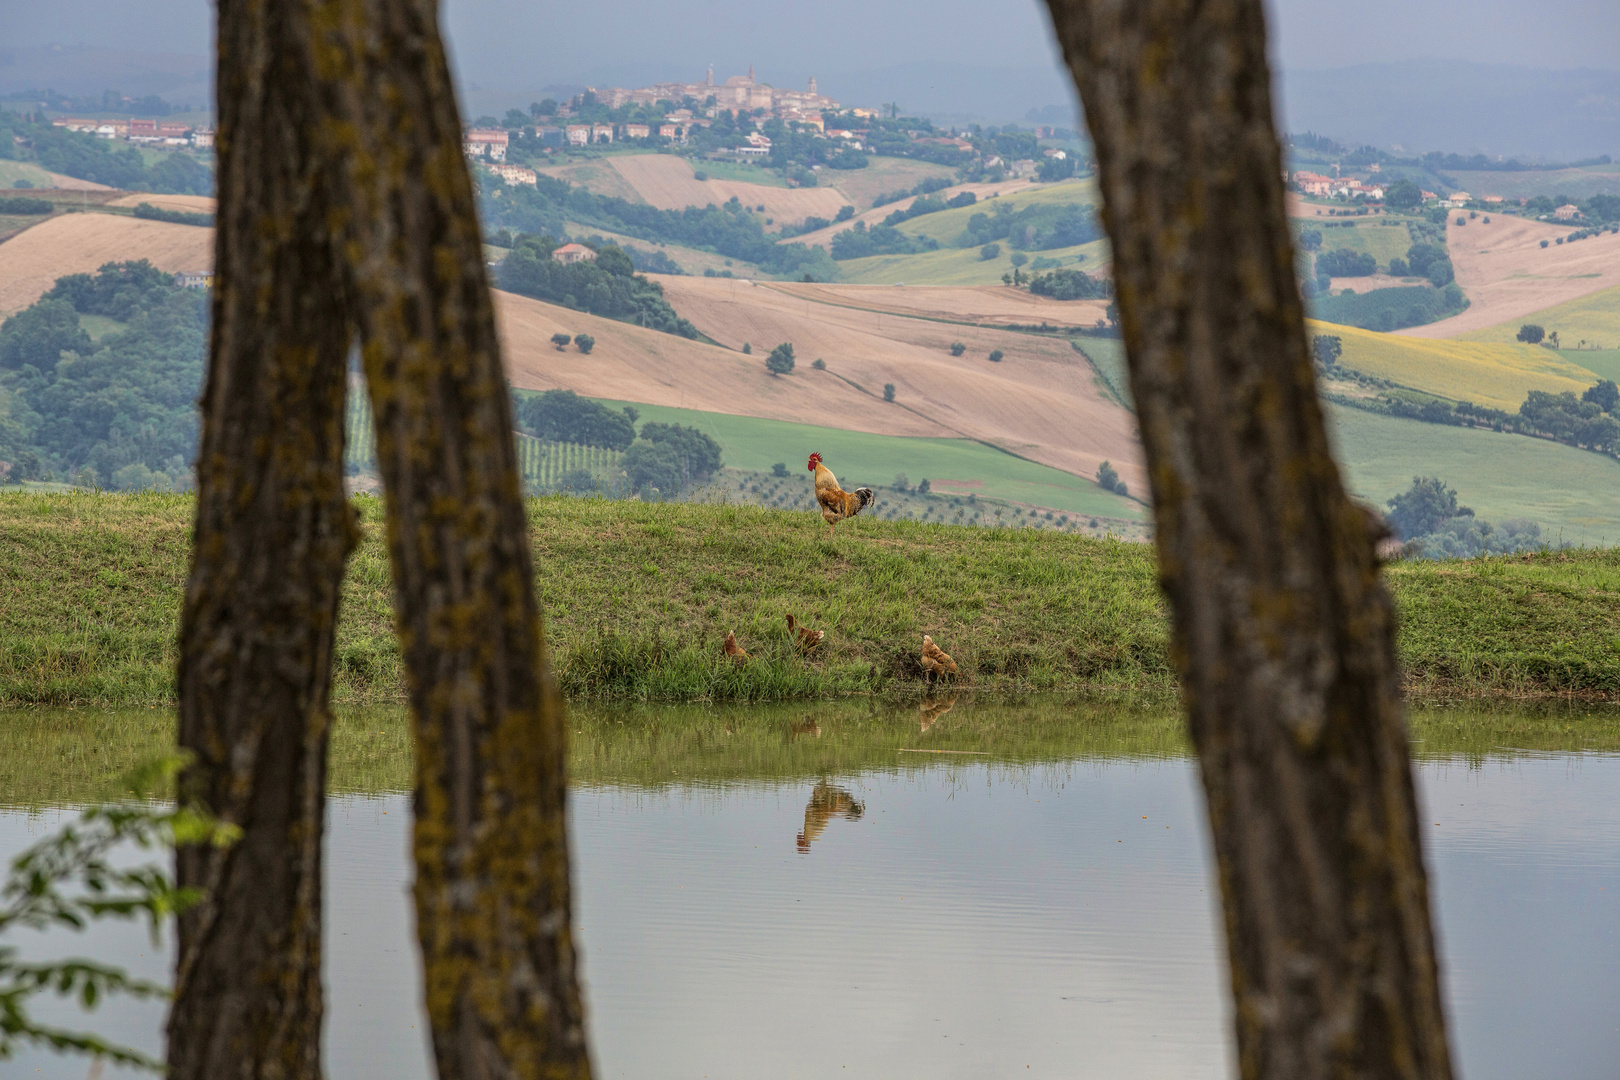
(864, 498)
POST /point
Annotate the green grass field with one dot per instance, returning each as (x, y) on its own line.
(1594, 318)
(1382, 239)
(1573, 494)
(99, 326)
(13, 171)
(882, 176)
(1604, 363)
(747, 172)
(859, 458)
(638, 598)
(962, 266)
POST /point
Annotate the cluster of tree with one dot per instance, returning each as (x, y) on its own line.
(812, 223)
(1342, 262)
(108, 101)
(667, 457)
(1403, 194)
(730, 230)
(607, 285)
(1434, 161)
(1033, 227)
(82, 155)
(780, 361)
(1389, 309)
(583, 342)
(564, 416)
(173, 217)
(927, 204)
(1426, 260)
(119, 412)
(1053, 169)
(859, 241)
(1435, 526)
(1108, 479)
(1587, 421)
(644, 260)
(1071, 285)
(925, 187)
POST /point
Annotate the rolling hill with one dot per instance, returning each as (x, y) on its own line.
(1507, 274)
(1498, 375)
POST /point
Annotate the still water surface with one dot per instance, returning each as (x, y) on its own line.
(788, 893)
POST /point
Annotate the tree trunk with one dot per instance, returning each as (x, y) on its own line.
(273, 530)
(1284, 634)
(345, 204)
(493, 909)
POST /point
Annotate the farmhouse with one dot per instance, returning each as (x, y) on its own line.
(569, 254)
(485, 143)
(1567, 212)
(1311, 183)
(515, 174)
(194, 279)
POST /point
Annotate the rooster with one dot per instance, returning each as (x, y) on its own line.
(936, 661)
(804, 637)
(734, 650)
(836, 503)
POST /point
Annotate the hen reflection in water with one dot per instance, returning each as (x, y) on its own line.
(825, 802)
(932, 710)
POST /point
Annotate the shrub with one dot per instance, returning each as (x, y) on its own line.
(1069, 285)
(993, 251)
(922, 487)
(780, 362)
(584, 342)
(779, 469)
(22, 204)
(957, 348)
(888, 391)
(700, 175)
(561, 341)
(1544, 243)
(1342, 262)
(1530, 333)
(748, 350)
(1108, 479)
(996, 356)
(1019, 258)
(1326, 350)
(819, 364)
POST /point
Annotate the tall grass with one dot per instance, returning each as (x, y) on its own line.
(639, 596)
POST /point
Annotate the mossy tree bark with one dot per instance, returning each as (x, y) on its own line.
(1284, 634)
(272, 532)
(345, 205)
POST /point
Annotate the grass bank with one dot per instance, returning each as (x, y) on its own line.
(638, 597)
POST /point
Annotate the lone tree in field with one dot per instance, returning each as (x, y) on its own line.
(888, 391)
(584, 342)
(1326, 350)
(346, 212)
(780, 362)
(1284, 633)
(996, 356)
(561, 341)
(1531, 333)
(957, 348)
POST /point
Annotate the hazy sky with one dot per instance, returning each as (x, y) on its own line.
(511, 43)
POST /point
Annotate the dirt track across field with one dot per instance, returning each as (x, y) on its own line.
(31, 261)
(1506, 273)
(666, 182)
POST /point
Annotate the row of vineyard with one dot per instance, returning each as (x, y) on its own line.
(543, 463)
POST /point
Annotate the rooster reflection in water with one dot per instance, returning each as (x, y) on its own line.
(825, 802)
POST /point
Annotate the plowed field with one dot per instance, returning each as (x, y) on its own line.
(31, 261)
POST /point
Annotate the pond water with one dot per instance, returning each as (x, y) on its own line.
(794, 892)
